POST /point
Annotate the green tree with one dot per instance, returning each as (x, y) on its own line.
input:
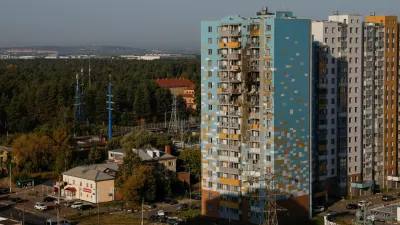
(141, 184)
(130, 162)
(139, 139)
(95, 156)
(191, 159)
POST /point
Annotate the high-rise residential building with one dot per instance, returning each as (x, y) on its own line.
(380, 137)
(255, 114)
(338, 154)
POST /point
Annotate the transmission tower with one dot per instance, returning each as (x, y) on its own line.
(90, 81)
(82, 78)
(271, 192)
(78, 109)
(109, 102)
(174, 122)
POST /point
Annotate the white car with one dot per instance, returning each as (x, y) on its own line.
(364, 203)
(319, 208)
(76, 205)
(40, 206)
(161, 213)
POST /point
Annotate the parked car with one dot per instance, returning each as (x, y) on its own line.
(48, 199)
(67, 203)
(154, 218)
(40, 206)
(388, 198)
(53, 221)
(4, 191)
(17, 200)
(363, 203)
(182, 207)
(352, 206)
(161, 212)
(318, 209)
(84, 207)
(196, 197)
(149, 205)
(76, 204)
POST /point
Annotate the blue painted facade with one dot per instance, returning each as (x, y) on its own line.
(274, 107)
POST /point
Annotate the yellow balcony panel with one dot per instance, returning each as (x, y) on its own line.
(236, 136)
(322, 147)
(230, 204)
(222, 44)
(222, 135)
(255, 32)
(233, 44)
(229, 181)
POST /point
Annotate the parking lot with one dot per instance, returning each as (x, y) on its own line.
(21, 204)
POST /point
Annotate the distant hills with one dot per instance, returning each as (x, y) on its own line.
(93, 50)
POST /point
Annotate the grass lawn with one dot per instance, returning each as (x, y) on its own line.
(104, 219)
(188, 213)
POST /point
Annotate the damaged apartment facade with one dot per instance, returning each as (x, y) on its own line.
(255, 113)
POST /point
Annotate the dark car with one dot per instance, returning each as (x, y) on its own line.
(352, 206)
(84, 207)
(170, 201)
(154, 218)
(388, 198)
(17, 200)
(182, 207)
(196, 197)
(48, 199)
(4, 191)
(149, 205)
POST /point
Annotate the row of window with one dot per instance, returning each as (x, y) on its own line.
(80, 184)
(338, 39)
(340, 29)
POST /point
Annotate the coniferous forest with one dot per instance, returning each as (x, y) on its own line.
(43, 92)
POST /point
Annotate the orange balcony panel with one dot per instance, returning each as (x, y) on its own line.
(322, 106)
(222, 44)
(255, 126)
(322, 147)
(255, 32)
(236, 136)
(230, 204)
(233, 44)
(229, 181)
(222, 135)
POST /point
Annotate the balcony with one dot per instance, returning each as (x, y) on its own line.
(235, 125)
(255, 32)
(222, 45)
(233, 45)
(254, 44)
(254, 127)
(254, 115)
(223, 124)
(235, 113)
(223, 67)
(255, 138)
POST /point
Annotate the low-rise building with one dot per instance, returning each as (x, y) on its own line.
(150, 156)
(94, 183)
(180, 86)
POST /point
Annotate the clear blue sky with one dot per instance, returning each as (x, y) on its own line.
(146, 23)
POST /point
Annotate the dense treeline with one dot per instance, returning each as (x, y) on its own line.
(37, 92)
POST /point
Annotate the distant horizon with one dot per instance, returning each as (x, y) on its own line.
(147, 24)
(115, 46)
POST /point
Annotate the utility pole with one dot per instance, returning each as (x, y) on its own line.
(10, 179)
(109, 102)
(90, 81)
(190, 189)
(142, 209)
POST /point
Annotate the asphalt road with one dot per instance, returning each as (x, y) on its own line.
(16, 214)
